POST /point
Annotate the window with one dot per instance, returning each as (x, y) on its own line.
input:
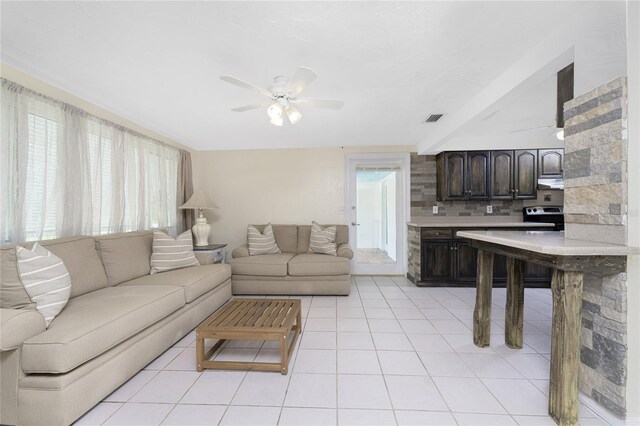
(71, 173)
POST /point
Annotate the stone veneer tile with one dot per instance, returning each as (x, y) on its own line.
(577, 164)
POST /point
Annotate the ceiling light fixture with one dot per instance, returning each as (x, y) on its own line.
(293, 114)
(275, 114)
(560, 134)
(283, 95)
(275, 111)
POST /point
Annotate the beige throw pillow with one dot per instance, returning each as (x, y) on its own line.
(45, 279)
(323, 240)
(261, 242)
(168, 253)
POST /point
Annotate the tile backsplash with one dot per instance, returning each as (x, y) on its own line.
(423, 195)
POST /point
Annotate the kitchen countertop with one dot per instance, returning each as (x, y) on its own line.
(549, 242)
(474, 222)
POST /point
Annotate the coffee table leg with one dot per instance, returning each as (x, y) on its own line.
(284, 354)
(199, 351)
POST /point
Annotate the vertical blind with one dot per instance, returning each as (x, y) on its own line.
(65, 172)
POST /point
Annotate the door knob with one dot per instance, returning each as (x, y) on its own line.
(355, 224)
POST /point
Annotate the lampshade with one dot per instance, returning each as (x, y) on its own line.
(275, 111)
(277, 121)
(293, 114)
(199, 200)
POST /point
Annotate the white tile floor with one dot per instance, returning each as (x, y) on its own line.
(390, 353)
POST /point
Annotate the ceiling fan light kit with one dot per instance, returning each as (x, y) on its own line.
(283, 94)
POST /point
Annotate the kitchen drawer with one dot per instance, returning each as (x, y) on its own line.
(437, 233)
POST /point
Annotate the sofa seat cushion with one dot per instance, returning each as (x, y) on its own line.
(311, 264)
(271, 265)
(196, 281)
(95, 322)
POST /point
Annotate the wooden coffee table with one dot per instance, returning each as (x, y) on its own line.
(250, 319)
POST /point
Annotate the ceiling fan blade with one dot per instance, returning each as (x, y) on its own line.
(532, 128)
(250, 107)
(301, 79)
(318, 103)
(246, 85)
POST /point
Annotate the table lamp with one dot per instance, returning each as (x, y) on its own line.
(201, 230)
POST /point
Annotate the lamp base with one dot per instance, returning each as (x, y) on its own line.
(201, 231)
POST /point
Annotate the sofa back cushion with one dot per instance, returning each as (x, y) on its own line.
(79, 256)
(304, 235)
(12, 292)
(286, 236)
(125, 256)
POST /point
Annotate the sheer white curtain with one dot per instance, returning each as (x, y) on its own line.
(65, 172)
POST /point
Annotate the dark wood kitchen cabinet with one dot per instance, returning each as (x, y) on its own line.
(493, 175)
(514, 175)
(450, 261)
(550, 163)
(463, 175)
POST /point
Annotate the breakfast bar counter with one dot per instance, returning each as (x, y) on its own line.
(570, 260)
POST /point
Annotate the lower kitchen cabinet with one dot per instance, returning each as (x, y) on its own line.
(449, 261)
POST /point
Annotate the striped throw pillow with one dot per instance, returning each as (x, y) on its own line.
(323, 240)
(168, 253)
(261, 243)
(45, 279)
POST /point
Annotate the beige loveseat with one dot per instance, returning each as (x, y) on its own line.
(118, 319)
(294, 271)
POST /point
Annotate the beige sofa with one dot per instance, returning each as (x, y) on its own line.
(118, 319)
(294, 271)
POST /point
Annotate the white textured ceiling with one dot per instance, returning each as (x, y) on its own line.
(393, 63)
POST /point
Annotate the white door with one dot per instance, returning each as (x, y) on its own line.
(376, 212)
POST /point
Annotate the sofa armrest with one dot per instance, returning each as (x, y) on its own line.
(18, 325)
(242, 251)
(344, 250)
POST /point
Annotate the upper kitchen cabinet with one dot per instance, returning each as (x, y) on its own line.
(550, 163)
(452, 176)
(463, 175)
(478, 163)
(502, 175)
(514, 175)
(525, 174)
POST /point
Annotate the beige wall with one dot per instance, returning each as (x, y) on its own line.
(33, 83)
(277, 186)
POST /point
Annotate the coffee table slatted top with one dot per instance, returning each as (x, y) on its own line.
(254, 315)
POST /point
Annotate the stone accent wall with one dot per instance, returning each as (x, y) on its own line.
(413, 249)
(595, 163)
(595, 206)
(423, 195)
(603, 373)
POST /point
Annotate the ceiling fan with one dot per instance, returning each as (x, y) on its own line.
(564, 93)
(283, 96)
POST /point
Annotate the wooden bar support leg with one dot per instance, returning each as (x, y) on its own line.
(514, 318)
(482, 311)
(566, 290)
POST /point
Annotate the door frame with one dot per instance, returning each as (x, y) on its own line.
(403, 160)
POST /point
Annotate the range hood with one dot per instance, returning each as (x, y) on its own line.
(550, 183)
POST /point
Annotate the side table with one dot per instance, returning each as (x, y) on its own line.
(213, 253)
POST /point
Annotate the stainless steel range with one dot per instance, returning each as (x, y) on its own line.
(544, 214)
